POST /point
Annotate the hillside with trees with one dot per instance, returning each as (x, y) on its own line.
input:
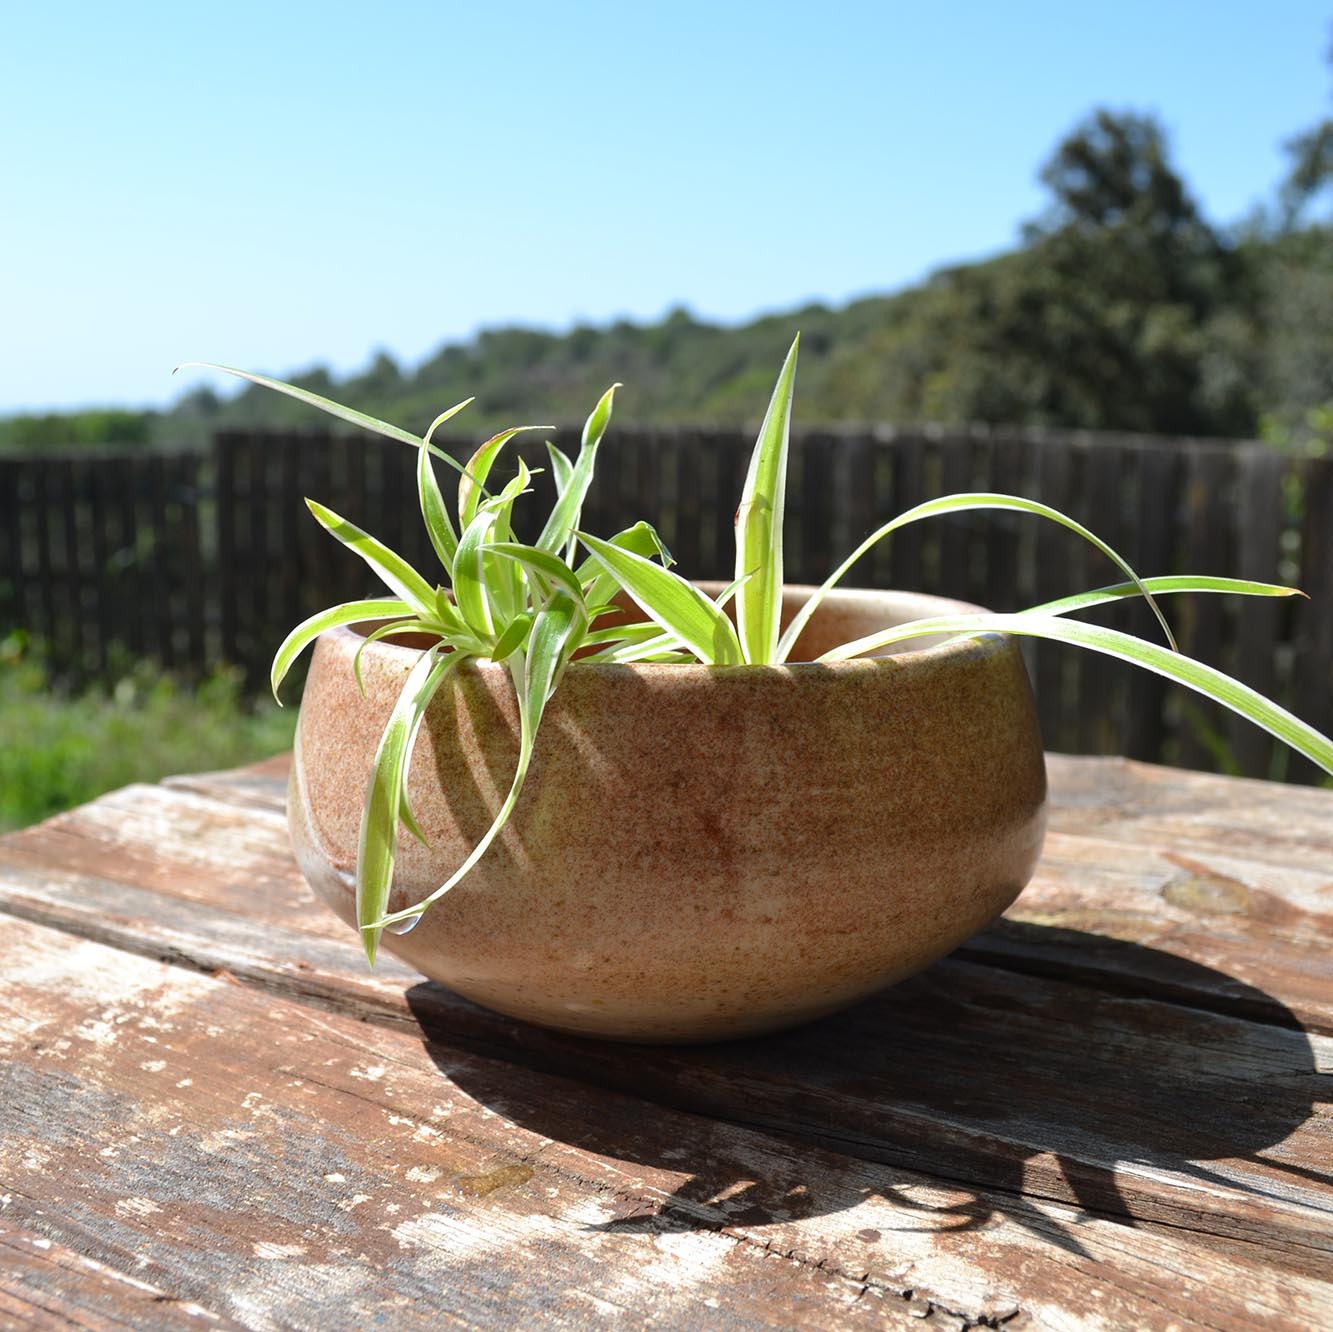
(1122, 308)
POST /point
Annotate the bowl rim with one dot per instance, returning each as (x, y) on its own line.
(957, 650)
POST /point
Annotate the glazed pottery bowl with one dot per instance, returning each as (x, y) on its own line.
(699, 852)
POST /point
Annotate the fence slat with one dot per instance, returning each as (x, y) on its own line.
(186, 491)
(898, 563)
(1259, 532)
(193, 559)
(1054, 661)
(224, 451)
(1003, 588)
(14, 583)
(1313, 674)
(1153, 552)
(1100, 729)
(1208, 547)
(955, 528)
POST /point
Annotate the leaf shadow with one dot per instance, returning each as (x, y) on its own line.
(1080, 1082)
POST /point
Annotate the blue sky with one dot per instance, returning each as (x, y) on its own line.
(280, 184)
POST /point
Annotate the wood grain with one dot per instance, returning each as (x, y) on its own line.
(977, 1072)
(44, 1284)
(1112, 1109)
(285, 1167)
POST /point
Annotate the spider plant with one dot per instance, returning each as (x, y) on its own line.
(533, 607)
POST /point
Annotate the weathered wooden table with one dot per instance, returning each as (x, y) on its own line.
(1109, 1110)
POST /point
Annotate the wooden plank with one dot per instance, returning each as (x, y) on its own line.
(207, 887)
(256, 553)
(290, 516)
(854, 503)
(44, 1284)
(316, 556)
(288, 1168)
(93, 647)
(1055, 680)
(14, 484)
(956, 529)
(1208, 548)
(187, 493)
(1143, 805)
(1258, 554)
(1099, 720)
(650, 498)
(900, 561)
(65, 629)
(731, 463)
(1313, 682)
(1006, 533)
(106, 599)
(160, 571)
(682, 457)
(229, 578)
(46, 601)
(1159, 473)
(817, 520)
(127, 487)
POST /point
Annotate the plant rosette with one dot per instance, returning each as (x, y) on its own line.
(579, 789)
(699, 851)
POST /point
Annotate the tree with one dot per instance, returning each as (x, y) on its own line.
(1126, 310)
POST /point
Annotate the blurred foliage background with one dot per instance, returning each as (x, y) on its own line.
(1122, 308)
(60, 748)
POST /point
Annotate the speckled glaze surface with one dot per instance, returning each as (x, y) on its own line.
(699, 852)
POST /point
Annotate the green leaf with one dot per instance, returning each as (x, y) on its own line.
(514, 636)
(451, 622)
(433, 513)
(327, 406)
(409, 819)
(470, 593)
(1158, 586)
(472, 482)
(635, 648)
(561, 468)
(504, 578)
(731, 589)
(395, 571)
(958, 504)
(556, 632)
(759, 524)
(679, 607)
(447, 415)
(549, 567)
(641, 539)
(1206, 680)
(307, 631)
(439, 528)
(626, 634)
(393, 627)
(378, 844)
(565, 513)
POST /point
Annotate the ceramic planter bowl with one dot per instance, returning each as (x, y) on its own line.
(699, 852)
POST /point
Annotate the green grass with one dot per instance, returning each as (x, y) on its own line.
(58, 750)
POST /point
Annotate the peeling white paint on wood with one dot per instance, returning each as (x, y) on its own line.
(328, 1197)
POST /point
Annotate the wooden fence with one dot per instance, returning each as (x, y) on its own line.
(196, 559)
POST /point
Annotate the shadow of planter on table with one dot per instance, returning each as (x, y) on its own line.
(1011, 1083)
